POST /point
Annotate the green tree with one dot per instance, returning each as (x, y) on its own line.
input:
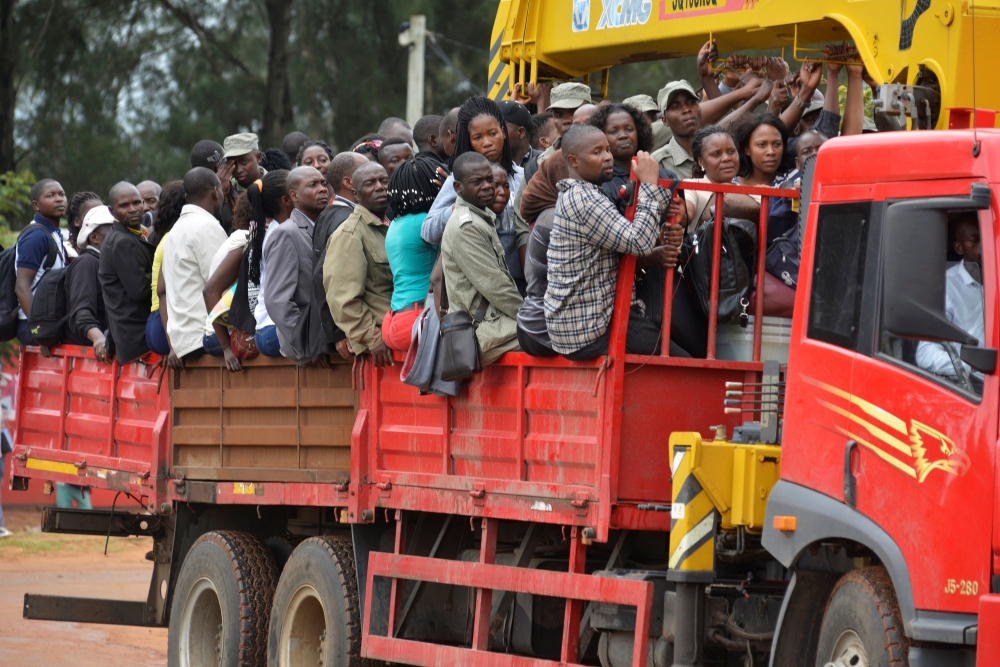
(108, 90)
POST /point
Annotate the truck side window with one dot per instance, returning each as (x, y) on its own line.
(963, 306)
(839, 273)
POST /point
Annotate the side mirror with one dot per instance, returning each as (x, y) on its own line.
(983, 359)
(915, 239)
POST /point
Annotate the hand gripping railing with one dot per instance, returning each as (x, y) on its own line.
(720, 189)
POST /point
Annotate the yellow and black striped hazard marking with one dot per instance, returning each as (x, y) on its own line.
(499, 83)
(693, 519)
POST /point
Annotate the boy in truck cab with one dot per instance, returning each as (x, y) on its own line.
(963, 304)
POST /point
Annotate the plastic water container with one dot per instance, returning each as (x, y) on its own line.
(734, 343)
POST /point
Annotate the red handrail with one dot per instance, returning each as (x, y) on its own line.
(617, 341)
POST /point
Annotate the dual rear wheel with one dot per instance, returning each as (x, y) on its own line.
(231, 608)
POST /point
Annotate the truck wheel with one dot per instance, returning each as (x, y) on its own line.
(316, 618)
(222, 602)
(861, 626)
(281, 547)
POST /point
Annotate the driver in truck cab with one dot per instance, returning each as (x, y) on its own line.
(963, 303)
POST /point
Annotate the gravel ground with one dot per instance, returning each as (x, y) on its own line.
(33, 562)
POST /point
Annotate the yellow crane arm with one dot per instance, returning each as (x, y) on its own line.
(560, 39)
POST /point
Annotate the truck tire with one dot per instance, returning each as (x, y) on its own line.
(861, 625)
(315, 619)
(222, 602)
(281, 547)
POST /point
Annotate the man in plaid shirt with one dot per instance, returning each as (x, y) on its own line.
(588, 238)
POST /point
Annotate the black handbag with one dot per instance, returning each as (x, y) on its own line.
(737, 260)
(241, 313)
(458, 350)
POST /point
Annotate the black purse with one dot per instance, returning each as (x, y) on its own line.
(458, 348)
(737, 260)
(241, 313)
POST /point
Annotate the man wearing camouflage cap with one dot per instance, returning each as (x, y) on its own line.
(240, 165)
(679, 104)
(648, 106)
(565, 99)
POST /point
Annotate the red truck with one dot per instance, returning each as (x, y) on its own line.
(614, 511)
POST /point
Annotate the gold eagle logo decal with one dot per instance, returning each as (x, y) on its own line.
(916, 451)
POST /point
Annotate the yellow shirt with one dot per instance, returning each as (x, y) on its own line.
(157, 261)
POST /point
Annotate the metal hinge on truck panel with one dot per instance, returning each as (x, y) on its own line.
(478, 493)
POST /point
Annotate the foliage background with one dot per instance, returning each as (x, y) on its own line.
(121, 89)
(104, 90)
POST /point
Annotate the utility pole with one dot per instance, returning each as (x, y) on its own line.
(415, 37)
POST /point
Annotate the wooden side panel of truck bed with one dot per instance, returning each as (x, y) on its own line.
(273, 422)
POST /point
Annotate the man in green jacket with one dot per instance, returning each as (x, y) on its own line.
(473, 260)
(356, 273)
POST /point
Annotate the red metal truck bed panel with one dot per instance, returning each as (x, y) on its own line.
(476, 434)
(89, 423)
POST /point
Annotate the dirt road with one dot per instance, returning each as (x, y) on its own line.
(72, 565)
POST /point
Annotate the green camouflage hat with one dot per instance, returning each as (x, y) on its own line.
(643, 103)
(572, 95)
(668, 91)
(240, 144)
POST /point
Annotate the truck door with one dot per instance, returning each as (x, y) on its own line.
(925, 423)
(826, 342)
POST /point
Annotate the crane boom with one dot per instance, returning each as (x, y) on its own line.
(909, 42)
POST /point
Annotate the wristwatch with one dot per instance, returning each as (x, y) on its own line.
(799, 103)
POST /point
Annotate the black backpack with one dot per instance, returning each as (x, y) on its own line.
(9, 305)
(49, 312)
(783, 257)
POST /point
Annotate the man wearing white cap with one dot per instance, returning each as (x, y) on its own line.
(87, 319)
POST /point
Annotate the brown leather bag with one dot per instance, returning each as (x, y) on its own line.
(779, 298)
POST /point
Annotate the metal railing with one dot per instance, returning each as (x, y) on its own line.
(720, 190)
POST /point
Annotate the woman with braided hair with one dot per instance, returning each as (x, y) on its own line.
(481, 128)
(167, 211)
(267, 205)
(412, 190)
(368, 146)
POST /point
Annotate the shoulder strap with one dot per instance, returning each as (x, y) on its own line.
(54, 248)
(484, 303)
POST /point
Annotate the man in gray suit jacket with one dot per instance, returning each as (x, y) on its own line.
(290, 260)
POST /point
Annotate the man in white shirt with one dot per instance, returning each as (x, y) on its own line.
(187, 258)
(963, 301)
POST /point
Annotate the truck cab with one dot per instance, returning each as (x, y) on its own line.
(890, 423)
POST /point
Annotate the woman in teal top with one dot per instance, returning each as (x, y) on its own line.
(412, 189)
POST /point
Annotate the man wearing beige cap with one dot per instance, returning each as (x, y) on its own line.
(679, 104)
(648, 106)
(565, 99)
(240, 165)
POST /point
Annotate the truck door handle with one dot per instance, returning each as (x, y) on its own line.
(850, 482)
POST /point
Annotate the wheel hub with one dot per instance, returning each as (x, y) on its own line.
(849, 651)
(202, 640)
(303, 639)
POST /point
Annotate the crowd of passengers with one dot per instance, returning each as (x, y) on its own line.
(303, 253)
